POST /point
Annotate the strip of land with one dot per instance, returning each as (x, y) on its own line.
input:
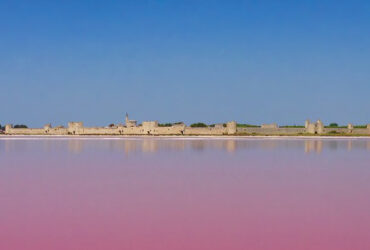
(153, 128)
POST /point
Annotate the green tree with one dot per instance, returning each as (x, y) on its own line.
(20, 126)
(198, 125)
(241, 125)
(165, 124)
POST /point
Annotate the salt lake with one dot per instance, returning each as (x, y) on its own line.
(184, 193)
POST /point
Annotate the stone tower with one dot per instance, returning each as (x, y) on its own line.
(314, 128)
(126, 119)
(75, 128)
(130, 123)
(306, 124)
(310, 127)
(8, 127)
(47, 128)
(319, 127)
(231, 128)
(350, 128)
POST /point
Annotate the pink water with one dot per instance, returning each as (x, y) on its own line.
(191, 194)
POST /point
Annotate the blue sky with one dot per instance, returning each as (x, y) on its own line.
(210, 61)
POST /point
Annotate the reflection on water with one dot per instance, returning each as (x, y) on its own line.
(313, 146)
(184, 193)
(152, 145)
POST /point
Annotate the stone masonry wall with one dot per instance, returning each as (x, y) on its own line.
(25, 131)
(205, 131)
(271, 131)
(152, 128)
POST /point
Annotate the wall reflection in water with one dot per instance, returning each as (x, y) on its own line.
(153, 145)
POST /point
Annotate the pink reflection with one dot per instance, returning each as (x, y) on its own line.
(274, 196)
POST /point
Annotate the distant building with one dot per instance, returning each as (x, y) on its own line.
(130, 123)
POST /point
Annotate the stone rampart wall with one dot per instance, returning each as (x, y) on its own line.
(356, 131)
(151, 128)
(56, 131)
(140, 130)
(175, 130)
(205, 131)
(361, 131)
(131, 131)
(25, 131)
(337, 130)
(270, 131)
(98, 131)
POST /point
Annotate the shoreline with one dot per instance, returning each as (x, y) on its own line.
(208, 137)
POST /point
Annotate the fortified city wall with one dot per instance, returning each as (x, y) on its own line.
(271, 131)
(153, 128)
(147, 128)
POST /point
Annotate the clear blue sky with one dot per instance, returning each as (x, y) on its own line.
(210, 61)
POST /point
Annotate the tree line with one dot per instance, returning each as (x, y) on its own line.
(15, 126)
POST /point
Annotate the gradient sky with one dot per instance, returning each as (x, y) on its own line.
(210, 61)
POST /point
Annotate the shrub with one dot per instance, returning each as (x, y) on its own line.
(360, 126)
(335, 125)
(198, 125)
(20, 126)
(165, 124)
(241, 125)
(214, 125)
